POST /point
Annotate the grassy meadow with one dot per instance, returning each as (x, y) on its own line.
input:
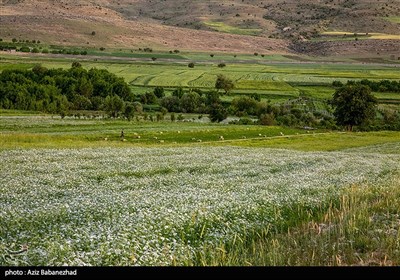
(194, 193)
(75, 198)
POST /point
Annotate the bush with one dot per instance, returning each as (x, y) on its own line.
(24, 49)
(191, 65)
(221, 65)
(159, 92)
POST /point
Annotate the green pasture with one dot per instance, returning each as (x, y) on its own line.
(223, 27)
(26, 131)
(351, 36)
(393, 19)
(39, 131)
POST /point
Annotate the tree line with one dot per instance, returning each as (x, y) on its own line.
(377, 86)
(59, 90)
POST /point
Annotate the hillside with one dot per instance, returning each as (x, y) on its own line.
(268, 26)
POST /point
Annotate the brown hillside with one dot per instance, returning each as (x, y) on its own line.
(72, 22)
(265, 26)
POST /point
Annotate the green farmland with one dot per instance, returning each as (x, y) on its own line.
(74, 192)
(273, 80)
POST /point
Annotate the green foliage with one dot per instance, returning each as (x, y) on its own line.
(190, 102)
(376, 86)
(244, 106)
(113, 105)
(172, 116)
(129, 111)
(224, 83)
(159, 92)
(148, 98)
(178, 92)
(218, 112)
(171, 103)
(24, 49)
(57, 90)
(354, 105)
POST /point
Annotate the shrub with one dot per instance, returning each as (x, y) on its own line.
(24, 49)
(191, 65)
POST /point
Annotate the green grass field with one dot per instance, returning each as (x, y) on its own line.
(74, 198)
(349, 36)
(223, 27)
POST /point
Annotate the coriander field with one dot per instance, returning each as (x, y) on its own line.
(151, 206)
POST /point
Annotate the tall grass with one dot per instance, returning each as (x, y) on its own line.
(359, 228)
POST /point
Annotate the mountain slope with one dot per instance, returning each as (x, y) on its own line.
(265, 26)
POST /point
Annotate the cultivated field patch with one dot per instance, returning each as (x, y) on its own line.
(151, 206)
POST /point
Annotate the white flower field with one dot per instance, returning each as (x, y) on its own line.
(149, 206)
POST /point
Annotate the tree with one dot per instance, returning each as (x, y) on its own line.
(244, 105)
(190, 101)
(76, 64)
(113, 105)
(171, 103)
(224, 83)
(217, 112)
(178, 92)
(129, 111)
(353, 105)
(191, 65)
(159, 92)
